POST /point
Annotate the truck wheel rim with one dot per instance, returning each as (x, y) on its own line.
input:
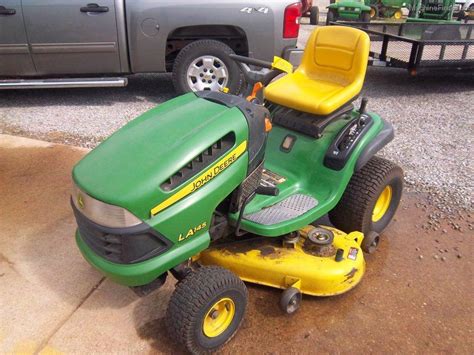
(207, 73)
(219, 317)
(382, 204)
(372, 12)
(397, 15)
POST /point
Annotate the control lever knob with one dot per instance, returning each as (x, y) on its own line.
(268, 190)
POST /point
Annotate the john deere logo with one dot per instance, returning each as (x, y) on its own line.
(80, 201)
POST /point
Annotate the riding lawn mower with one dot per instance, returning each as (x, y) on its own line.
(217, 189)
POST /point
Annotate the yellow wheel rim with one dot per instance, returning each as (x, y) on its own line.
(397, 15)
(382, 204)
(219, 317)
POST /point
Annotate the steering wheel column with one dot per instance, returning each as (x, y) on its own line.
(265, 75)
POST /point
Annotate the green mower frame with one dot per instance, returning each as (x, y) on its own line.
(170, 190)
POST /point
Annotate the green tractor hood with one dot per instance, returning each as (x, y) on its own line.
(134, 167)
(349, 5)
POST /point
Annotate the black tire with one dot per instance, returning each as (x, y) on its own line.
(365, 16)
(354, 210)
(374, 12)
(144, 290)
(193, 300)
(370, 242)
(290, 300)
(331, 16)
(200, 48)
(314, 15)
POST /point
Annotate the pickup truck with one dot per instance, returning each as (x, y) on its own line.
(84, 43)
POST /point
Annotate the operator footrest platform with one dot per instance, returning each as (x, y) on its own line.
(289, 208)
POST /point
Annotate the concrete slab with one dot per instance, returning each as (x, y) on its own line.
(415, 297)
(114, 320)
(43, 278)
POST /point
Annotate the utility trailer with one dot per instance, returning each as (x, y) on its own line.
(419, 46)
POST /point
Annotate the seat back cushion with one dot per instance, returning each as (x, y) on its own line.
(336, 54)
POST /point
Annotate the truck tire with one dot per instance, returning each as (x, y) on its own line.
(371, 198)
(205, 65)
(206, 309)
(314, 15)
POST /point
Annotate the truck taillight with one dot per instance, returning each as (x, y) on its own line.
(291, 22)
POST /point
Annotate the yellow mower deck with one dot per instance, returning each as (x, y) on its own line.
(266, 261)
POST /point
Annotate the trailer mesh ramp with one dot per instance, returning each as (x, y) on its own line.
(289, 208)
(415, 45)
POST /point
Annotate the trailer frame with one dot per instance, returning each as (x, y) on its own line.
(452, 53)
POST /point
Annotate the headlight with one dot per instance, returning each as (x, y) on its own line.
(102, 213)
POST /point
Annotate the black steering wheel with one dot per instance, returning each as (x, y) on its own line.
(265, 75)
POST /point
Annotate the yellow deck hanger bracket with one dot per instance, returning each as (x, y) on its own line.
(282, 64)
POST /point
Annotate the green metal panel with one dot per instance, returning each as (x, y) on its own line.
(146, 271)
(305, 173)
(346, 5)
(127, 169)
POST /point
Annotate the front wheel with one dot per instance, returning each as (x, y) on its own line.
(206, 309)
(365, 17)
(331, 16)
(205, 65)
(371, 198)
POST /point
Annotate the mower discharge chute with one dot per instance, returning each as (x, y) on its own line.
(217, 188)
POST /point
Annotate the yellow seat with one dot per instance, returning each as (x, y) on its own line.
(331, 73)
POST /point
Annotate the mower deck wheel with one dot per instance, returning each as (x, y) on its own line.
(370, 242)
(371, 198)
(206, 309)
(290, 300)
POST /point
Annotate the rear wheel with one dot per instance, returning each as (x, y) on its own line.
(206, 309)
(331, 16)
(205, 65)
(371, 198)
(314, 15)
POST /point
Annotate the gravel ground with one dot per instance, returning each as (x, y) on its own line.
(432, 114)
